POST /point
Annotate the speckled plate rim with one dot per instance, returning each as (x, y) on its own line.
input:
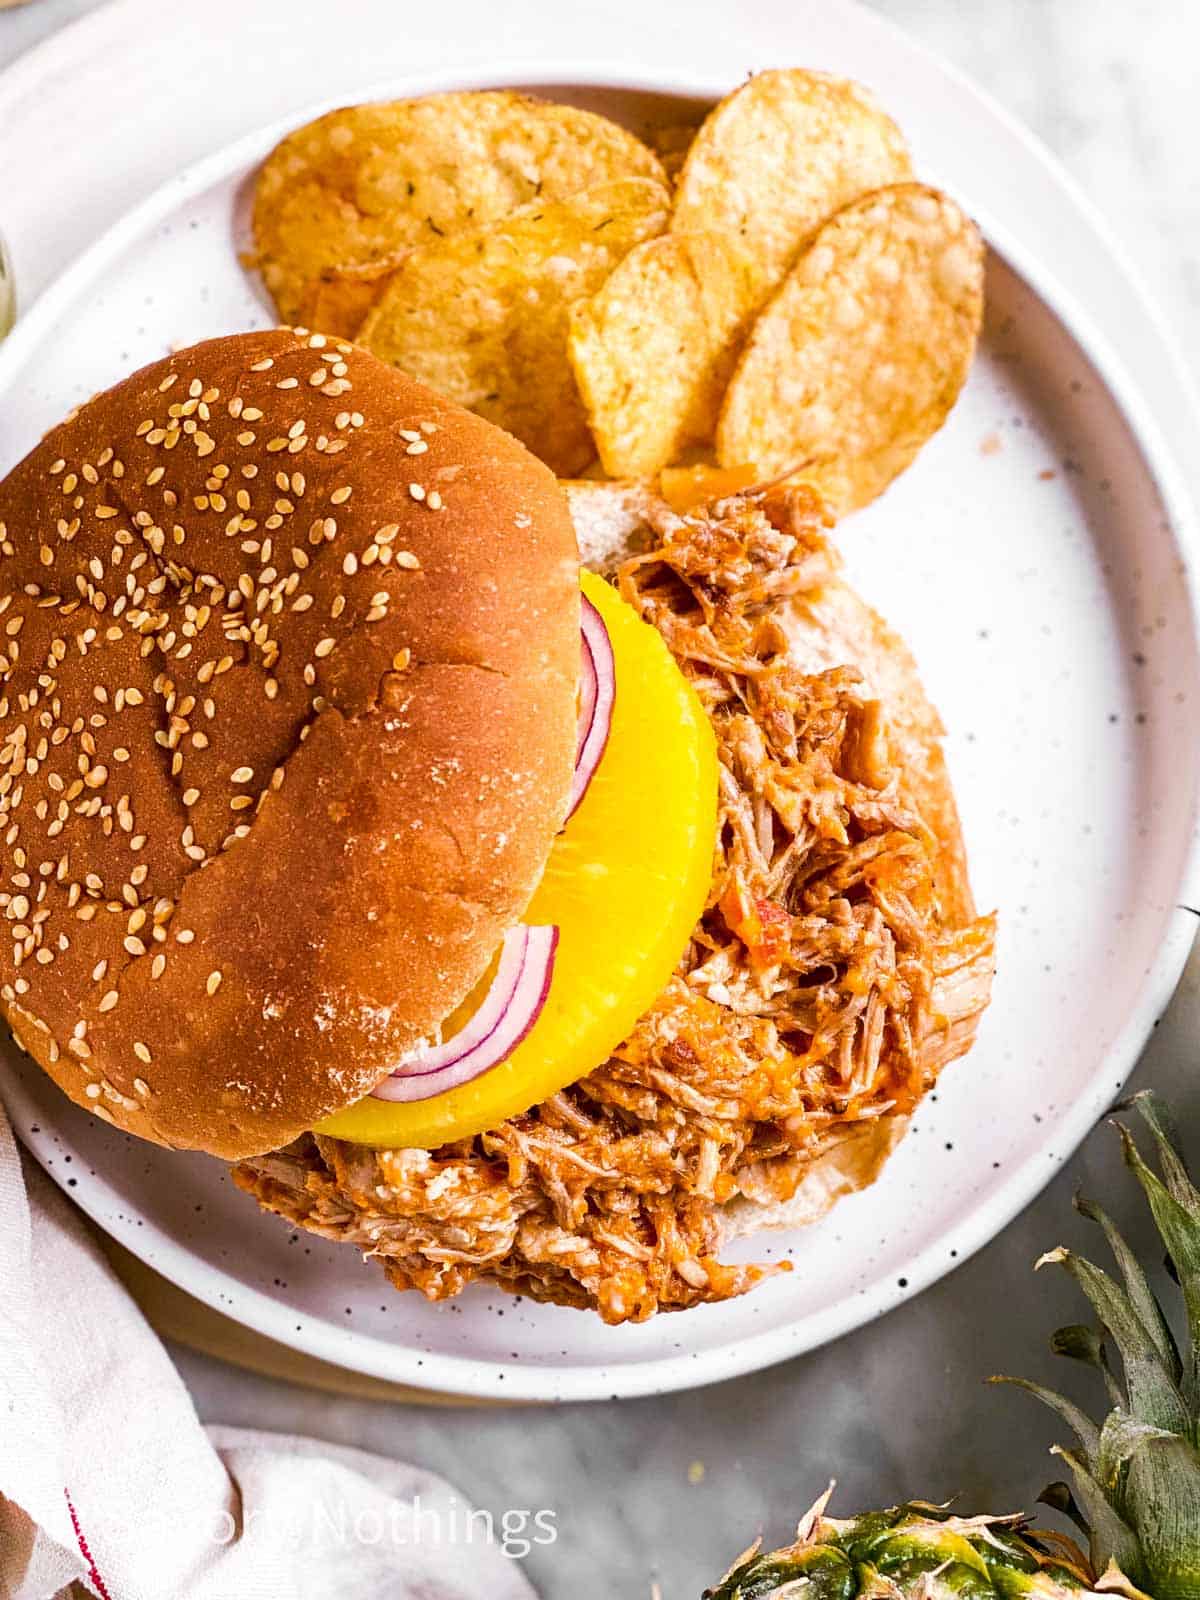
(469, 1376)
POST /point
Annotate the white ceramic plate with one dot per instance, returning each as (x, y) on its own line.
(1037, 557)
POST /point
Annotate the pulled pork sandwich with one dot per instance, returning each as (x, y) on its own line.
(836, 964)
(504, 921)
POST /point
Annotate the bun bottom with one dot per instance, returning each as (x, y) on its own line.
(831, 626)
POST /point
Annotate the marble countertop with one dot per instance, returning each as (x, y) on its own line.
(669, 1489)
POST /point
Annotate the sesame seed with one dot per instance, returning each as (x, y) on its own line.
(417, 491)
(142, 1051)
(324, 647)
(214, 982)
(109, 1001)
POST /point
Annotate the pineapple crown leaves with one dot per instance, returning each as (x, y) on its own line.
(1137, 1477)
(914, 1551)
(1084, 1344)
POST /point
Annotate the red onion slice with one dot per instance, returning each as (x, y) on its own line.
(597, 695)
(518, 992)
(588, 690)
(509, 1010)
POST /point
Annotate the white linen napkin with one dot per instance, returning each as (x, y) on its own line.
(108, 1480)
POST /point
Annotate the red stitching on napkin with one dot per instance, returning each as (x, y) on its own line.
(98, 1583)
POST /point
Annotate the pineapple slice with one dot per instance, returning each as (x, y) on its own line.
(625, 884)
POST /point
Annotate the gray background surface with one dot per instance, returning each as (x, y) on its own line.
(671, 1488)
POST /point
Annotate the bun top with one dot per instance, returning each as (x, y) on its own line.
(287, 727)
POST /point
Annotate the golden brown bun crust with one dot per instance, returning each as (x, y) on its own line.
(225, 610)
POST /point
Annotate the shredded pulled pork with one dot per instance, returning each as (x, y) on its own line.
(822, 988)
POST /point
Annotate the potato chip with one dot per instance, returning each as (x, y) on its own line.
(858, 359)
(482, 316)
(781, 154)
(339, 302)
(352, 192)
(671, 142)
(654, 349)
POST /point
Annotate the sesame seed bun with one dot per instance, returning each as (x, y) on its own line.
(288, 659)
